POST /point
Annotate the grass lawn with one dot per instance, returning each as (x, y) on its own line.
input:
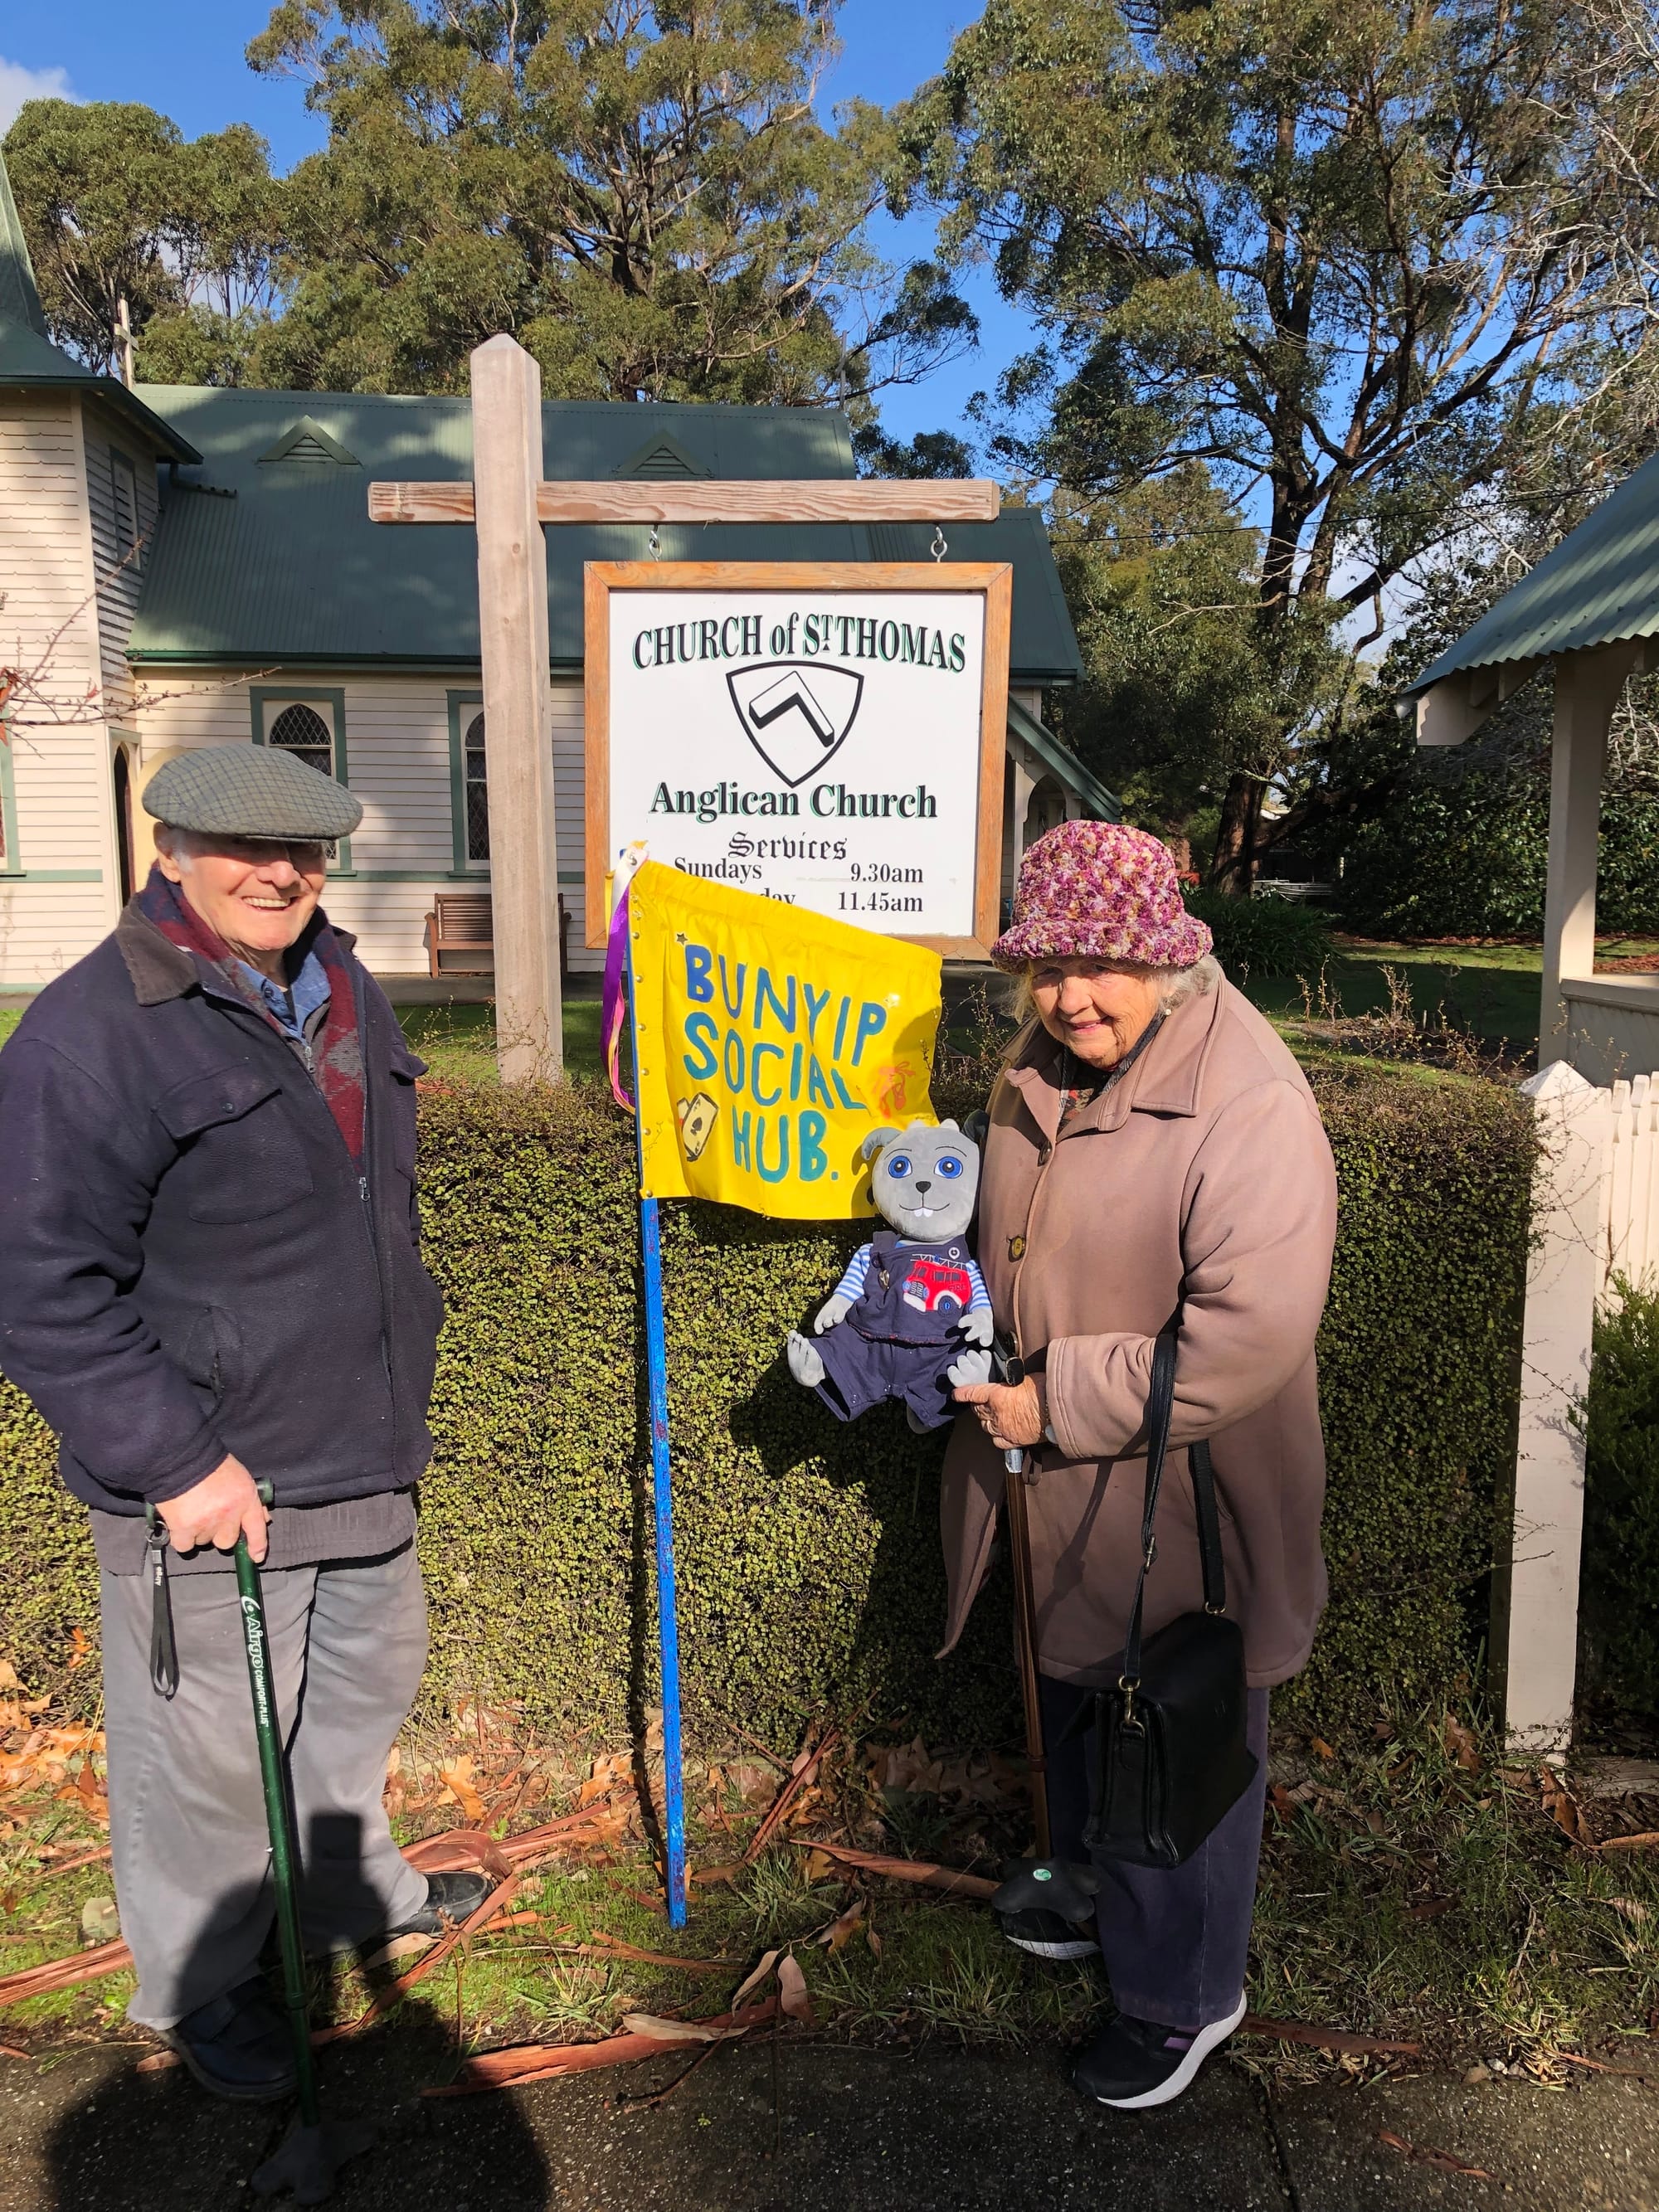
(1412, 1888)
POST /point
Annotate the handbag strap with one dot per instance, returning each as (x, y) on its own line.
(1160, 1407)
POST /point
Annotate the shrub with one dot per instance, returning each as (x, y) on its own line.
(1465, 857)
(1265, 936)
(808, 1551)
(1619, 1619)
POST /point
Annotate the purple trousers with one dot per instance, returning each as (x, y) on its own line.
(1176, 1940)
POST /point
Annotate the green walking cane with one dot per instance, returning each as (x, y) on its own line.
(313, 2150)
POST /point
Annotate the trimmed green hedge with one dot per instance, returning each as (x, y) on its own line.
(808, 1551)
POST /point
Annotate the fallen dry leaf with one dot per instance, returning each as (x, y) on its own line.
(9, 1676)
(80, 1649)
(1461, 1744)
(1320, 1747)
(845, 1925)
(669, 2031)
(794, 1995)
(756, 1978)
(457, 1779)
(1631, 1909)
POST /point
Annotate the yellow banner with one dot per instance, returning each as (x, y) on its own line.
(771, 1042)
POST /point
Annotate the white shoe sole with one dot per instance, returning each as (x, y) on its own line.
(1166, 2092)
(1082, 1948)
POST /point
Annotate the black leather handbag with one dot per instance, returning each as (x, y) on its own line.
(1169, 1753)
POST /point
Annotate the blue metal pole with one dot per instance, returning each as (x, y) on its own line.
(663, 1501)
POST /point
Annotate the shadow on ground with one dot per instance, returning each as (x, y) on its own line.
(809, 2127)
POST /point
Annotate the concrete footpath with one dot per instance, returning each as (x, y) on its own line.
(812, 2127)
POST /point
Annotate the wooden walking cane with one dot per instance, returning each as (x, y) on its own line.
(1019, 1552)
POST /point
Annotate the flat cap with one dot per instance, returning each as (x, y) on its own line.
(250, 791)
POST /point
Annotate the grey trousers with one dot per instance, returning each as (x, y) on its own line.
(1176, 1940)
(187, 1822)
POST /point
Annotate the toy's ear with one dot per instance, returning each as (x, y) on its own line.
(873, 1143)
(948, 1125)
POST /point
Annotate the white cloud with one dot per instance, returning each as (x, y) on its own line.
(18, 84)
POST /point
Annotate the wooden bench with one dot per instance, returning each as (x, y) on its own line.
(461, 925)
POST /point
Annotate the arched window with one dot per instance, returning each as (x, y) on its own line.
(477, 792)
(302, 732)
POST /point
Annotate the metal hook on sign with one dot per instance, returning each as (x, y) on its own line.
(938, 549)
(655, 547)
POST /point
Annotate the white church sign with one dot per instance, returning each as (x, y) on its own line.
(829, 734)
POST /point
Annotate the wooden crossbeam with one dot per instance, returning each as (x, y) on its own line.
(799, 499)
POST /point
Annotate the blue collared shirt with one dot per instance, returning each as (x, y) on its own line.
(293, 1008)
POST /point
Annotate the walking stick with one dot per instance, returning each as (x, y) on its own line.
(313, 2150)
(1008, 1368)
(1019, 1551)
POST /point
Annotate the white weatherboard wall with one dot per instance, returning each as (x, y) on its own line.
(397, 763)
(57, 896)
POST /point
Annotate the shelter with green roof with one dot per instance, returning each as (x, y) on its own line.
(185, 565)
(1591, 609)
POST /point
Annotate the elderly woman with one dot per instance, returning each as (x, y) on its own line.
(1155, 1160)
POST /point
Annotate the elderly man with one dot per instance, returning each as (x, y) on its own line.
(212, 1283)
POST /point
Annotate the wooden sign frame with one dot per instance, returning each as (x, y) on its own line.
(991, 581)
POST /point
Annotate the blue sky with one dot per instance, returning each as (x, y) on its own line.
(184, 57)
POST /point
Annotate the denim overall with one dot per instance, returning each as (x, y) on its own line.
(902, 1334)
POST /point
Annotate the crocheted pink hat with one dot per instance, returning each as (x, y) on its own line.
(1100, 888)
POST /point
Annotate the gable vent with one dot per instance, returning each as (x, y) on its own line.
(662, 459)
(308, 441)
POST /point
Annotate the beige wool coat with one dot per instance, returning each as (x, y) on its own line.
(1201, 1182)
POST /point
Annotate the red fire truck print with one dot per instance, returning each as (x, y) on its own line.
(933, 1285)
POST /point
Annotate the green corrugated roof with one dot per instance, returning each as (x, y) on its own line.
(1048, 748)
(289, 569)
(1600, 584)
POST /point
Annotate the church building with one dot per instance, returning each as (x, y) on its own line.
(184, 566)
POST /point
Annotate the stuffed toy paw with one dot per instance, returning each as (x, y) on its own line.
(912, 1297)
(805, 1364)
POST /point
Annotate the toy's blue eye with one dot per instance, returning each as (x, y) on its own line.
(899, 1165)
(948, 1164)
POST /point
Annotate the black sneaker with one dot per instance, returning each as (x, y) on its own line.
(1136, 2063)
(1047, 1935)
(238, 2046)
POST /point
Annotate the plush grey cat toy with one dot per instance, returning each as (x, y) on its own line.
(913, 1299)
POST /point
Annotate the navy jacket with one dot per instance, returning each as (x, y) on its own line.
(190, 1262)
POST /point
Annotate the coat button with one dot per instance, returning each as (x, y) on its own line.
(1016, 1248)
(1045, 1153)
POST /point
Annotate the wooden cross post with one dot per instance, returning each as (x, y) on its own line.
(524, 868)
(507, 500)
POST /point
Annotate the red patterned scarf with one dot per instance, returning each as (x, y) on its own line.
(337, 1057)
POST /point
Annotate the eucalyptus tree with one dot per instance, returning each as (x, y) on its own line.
(644, 194)
(1336, 251)
(119, 207)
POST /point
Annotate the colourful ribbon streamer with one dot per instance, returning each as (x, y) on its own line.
(612, 1006)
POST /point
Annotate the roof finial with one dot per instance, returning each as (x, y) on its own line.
(19, 299)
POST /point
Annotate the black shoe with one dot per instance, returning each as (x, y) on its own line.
(450, 1898)
(1136, 2063)
(1047, 1935)
(238, 2046)
(1048, 1907)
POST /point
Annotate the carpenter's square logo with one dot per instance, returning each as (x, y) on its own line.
(796, 713)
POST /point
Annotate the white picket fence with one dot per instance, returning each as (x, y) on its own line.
(1630, 1187)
